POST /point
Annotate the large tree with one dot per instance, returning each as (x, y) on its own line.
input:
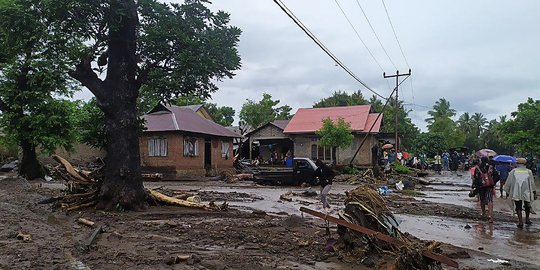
(478, 123)
(523, 129)
(342, 98)
(124, 46)
(33, 75)
(256, 114)
(440, 109)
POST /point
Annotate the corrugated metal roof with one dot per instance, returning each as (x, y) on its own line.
(281, 123)
(174, 118)
(309, 120)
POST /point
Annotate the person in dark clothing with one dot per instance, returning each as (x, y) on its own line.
(325, 176)
(485, 177)
(454, 161)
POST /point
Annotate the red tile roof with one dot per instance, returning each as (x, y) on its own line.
(309, 120)
(174, 118)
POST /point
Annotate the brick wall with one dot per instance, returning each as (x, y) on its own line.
(175, 159)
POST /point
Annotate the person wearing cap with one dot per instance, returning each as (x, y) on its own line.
(521, 190)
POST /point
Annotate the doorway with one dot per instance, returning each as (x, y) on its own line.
(207, 153)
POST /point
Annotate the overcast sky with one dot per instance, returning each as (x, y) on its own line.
(482, 56)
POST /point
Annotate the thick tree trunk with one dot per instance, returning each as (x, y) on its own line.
(122, 187)
(30, 166)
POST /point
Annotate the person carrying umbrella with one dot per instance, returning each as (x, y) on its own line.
(522, 190)
(485, 177)
(504, 166)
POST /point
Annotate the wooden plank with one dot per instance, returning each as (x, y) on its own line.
(378, 235)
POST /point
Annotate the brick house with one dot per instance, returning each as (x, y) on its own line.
(180, 141)
(302, 127)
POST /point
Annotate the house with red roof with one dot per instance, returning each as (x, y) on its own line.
(182, 141)
(302, 127)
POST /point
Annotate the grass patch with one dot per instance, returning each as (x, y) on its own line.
(400, 169)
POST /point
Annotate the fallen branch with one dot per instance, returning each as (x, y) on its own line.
(173, 201)
(92, 238)
(86, 222)
(69, 168)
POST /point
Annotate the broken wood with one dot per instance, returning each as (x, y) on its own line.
(173, 201)
(86, 222)
(92, 238)
(378, 235)
(69, 168)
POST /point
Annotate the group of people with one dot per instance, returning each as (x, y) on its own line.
(391, 156)
(515, 180)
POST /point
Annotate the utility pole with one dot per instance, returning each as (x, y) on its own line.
(397, 75)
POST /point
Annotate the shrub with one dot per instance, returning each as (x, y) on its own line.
(350, 170)
(400, 169)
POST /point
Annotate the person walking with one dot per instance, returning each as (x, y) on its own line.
(325, 175)
(485, 178)
(504, 169)
(521, 190)
(445, 159)
(437, 165)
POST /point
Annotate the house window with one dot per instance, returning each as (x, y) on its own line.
(225, 150)
(191, 147)
(321, 152)
(314, 155)
(157, 147)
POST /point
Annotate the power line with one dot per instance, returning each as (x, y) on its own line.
(358, 35)
(375, 33)
(395, 35)
(319, 43)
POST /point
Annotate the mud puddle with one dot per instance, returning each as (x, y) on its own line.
(501, 240)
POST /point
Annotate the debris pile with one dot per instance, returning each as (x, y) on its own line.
(83, 189)
(367, 208)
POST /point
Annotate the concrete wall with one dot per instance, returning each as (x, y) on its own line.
(268, 132)
(81, 154)
(175, 159)
(303, 143)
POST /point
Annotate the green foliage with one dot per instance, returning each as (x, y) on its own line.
(430, 143)
(342, 98)
(350, 170)
(256, 114)
(335, 134)
(91, 124)
(523, 130)
(34, 69)
(441, 109)
(493, 138)
(400, 169)
(406, 129)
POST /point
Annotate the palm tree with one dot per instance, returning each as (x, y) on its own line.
(464, 123)
(440, 109)
(478, 122)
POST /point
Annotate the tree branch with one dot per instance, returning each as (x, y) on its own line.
(86, 76)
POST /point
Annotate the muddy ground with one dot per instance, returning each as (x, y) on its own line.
(259, 231)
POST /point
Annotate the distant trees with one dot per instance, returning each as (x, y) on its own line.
(256, 114)
(406, 128)
(34, 80)
(223, 115)
(523, 129)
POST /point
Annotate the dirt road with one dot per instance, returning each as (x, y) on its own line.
(260, 231)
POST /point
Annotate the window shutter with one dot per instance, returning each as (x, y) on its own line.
(151, 147)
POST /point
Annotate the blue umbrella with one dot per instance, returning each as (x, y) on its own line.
(505, 158)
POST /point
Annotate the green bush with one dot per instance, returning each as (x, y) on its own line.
(400, 169)
(351, 170)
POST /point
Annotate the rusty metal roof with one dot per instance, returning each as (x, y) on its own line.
(309, 120)
(175, 118)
